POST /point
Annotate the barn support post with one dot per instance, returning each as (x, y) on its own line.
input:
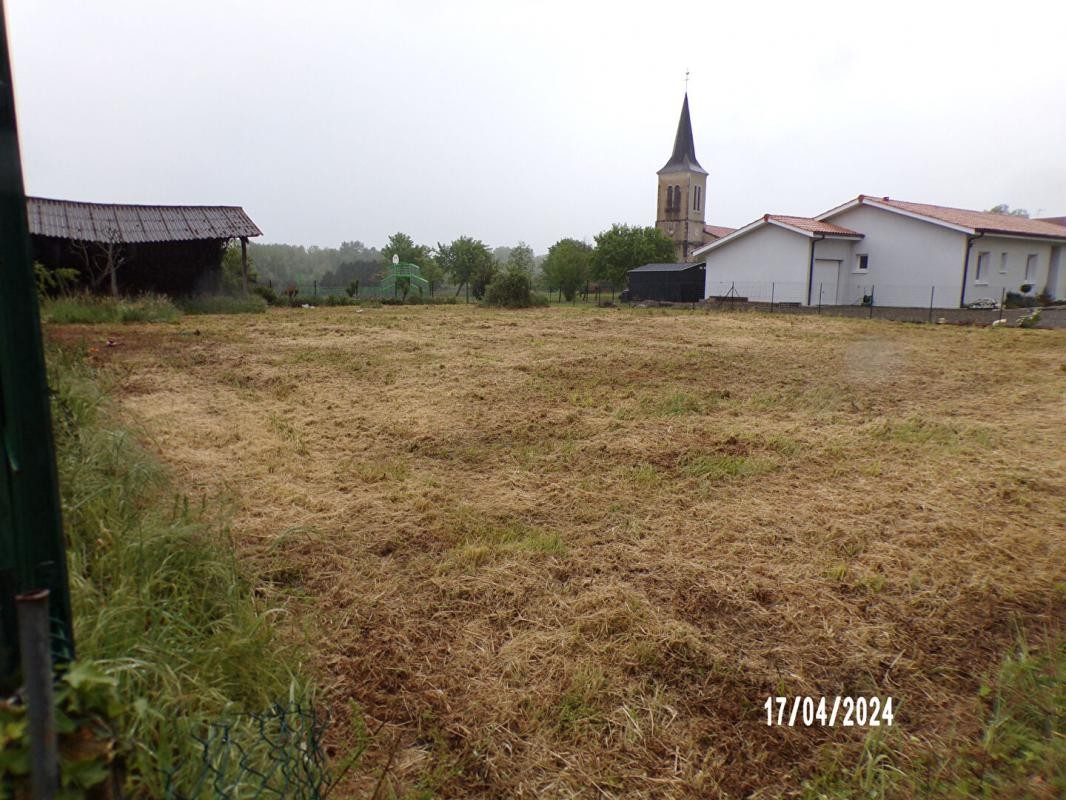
(32, 550)
(112, 267)
(244, 264)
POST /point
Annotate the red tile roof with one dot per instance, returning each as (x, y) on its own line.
(811, 225)
(717, 231)
(975, 220)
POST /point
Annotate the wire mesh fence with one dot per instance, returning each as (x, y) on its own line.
(274, 754)
(838, 293)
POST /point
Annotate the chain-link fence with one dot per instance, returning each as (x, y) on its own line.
(275, 754)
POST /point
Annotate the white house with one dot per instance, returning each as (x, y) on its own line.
(897, 253)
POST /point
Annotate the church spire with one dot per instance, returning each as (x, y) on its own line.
(684, 155)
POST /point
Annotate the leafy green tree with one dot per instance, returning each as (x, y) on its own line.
(232, 281)
(469, 261)
(521, 258)
(510, 289)
(567, 266)
(332, 266)
(402, 245)
(626, 247)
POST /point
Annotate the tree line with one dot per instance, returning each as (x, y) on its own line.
(468, 263)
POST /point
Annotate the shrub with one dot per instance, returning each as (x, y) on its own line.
(1030, 320)
(267, 293)
(222, 304)
(509, 289)
(54, 281)
(1016, 300)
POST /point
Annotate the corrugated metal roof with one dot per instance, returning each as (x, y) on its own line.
(128, 224)
(666, 267)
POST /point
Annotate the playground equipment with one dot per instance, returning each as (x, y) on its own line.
(400, 273)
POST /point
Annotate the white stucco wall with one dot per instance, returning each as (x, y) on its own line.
(913, 262)
(907, 259)
(997, 281)
(751, 263)
(833, 259)
(1056, 281)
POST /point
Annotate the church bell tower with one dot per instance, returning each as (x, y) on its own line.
(681, 205)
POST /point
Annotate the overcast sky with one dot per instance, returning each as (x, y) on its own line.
(331, 121)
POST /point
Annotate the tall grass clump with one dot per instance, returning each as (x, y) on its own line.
(90, 309)
(223, 304)
(159, 600)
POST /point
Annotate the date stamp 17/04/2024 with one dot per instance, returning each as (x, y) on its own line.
(846, 712)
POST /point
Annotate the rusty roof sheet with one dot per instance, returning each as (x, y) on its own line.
(128, 224)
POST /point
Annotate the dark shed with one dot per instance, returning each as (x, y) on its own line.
(676, 283)
(170, 249)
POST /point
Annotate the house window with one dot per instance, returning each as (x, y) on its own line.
(981, 276)
(862, 262)
(1030, 268)
(1002, 263)
(669, 198)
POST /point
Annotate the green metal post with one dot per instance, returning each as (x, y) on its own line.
(32, 552)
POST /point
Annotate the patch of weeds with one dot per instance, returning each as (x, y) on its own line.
(784, 445)
(223, 304)
(725, 467)
(578, 707)
(89, 309)
(837, 572)
(874, 776)
(680, 403)
(287, 431)
(480, 541)
(915, 431)
(646, 475)
(377, 471)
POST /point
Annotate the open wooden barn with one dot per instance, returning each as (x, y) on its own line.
(175, 250)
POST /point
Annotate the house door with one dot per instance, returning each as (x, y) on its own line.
(824, 282)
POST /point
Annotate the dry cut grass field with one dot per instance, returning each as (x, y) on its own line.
(569, 552)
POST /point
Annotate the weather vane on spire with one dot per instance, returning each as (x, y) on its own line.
(686, 80)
